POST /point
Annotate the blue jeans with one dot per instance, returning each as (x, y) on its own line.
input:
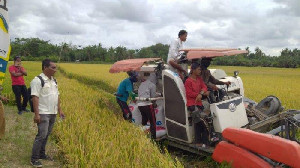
(44, 129)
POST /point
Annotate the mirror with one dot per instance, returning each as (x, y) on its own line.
(235, 73)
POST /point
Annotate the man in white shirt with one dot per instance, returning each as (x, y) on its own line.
(174, 55)
(46, 104)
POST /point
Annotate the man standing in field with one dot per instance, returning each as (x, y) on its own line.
(17, 73)
(174, 55)
(46, 104)
(125, 90)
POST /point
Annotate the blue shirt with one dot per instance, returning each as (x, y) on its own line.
(124, 89)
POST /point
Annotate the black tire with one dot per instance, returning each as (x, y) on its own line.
(270, 105)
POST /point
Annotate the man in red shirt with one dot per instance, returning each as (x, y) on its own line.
(195, 89)
(18, 85)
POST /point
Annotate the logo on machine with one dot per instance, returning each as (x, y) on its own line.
(232, 107)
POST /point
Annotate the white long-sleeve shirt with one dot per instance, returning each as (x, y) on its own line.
(175, 46)
(173, 54)
(147, 89)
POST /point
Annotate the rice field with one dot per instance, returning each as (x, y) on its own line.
(94, 71)
(259, 82)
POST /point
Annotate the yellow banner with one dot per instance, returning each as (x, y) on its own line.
(5, 47)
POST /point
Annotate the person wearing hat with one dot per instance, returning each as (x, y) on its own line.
(195, 89)
(17, 73)
(174, 54)
(125, 90)
(211, 82)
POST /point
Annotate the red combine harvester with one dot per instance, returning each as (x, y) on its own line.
(251, 134)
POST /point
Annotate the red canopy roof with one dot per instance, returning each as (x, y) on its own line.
(196, 53)
(130, 64)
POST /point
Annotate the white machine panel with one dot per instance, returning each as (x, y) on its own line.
(229, 113)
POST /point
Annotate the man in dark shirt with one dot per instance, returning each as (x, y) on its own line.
(211, 82)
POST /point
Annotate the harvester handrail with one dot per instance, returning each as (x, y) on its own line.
(148, 99)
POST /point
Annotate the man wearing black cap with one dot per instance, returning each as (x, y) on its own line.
(210, 81)
(125, 90)
(17, 73)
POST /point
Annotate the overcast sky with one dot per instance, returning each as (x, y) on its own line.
(269, 24)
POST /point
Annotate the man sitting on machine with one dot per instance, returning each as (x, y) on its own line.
(195, 89)
(216, 94)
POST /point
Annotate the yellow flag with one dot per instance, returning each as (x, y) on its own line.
(4, 39)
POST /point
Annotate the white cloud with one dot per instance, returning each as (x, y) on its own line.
(270, 24)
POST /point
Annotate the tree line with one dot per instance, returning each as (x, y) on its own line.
(35, 49)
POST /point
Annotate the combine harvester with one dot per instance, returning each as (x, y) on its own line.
(251, 134)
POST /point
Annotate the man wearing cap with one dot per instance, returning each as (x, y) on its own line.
(174, 55)
(17, 73)
(210, 81)
(125, 90)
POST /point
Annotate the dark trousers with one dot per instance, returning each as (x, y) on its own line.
(201, 131)
(44, 130)
(148, 114)
(125, 109)
(20, 90)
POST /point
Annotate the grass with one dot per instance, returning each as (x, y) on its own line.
(15, 147)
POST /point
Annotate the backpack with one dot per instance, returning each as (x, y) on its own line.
(29, 92)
